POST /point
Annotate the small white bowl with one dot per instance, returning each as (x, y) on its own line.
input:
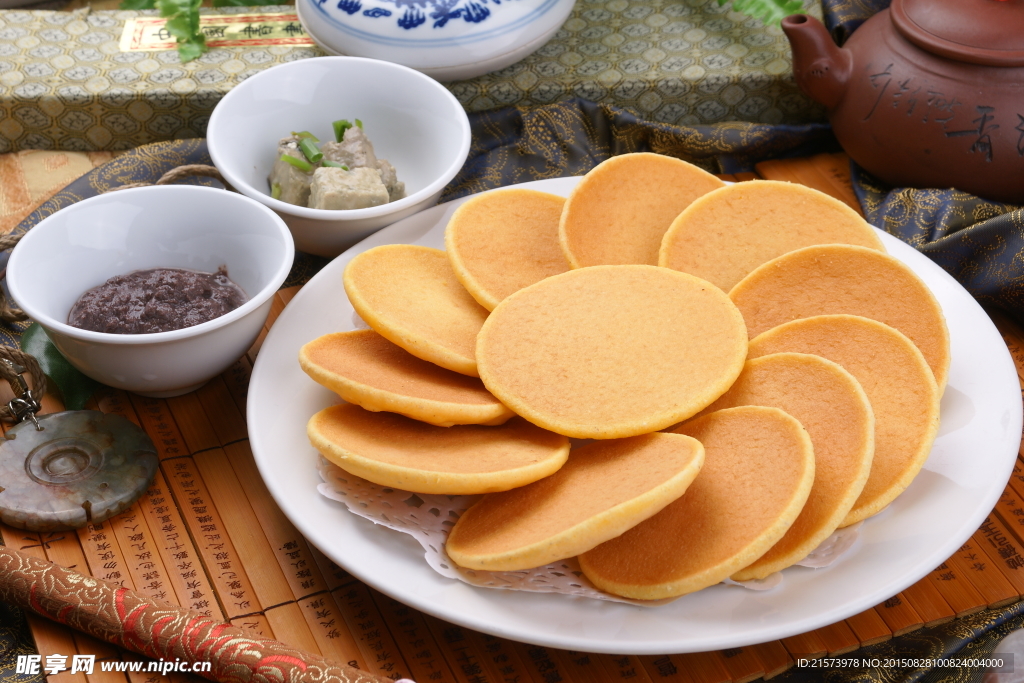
(411, 119)
(172, 226)
(446, 39)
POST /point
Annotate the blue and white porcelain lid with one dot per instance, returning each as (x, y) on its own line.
(444, 38)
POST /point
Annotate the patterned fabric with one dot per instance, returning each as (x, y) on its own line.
(520, 144)
(27, 179)
(842, 17)
(64, 83)
(14, 640)
(158, 629)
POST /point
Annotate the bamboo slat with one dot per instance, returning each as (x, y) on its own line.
(805, 646)
(539, 663)
(774, 658)
(228, 421)
(927, 601)
(323, 617)
(705, 667)
(464, 660)
(100, 676)
(899, 616)
(838, 638)
(195, 426)
(413, 636)
(584, 667)
(242, 526)
(290, 627)
(997, 542)
(743, 664)
(104, 651)
(173, 544)
(984, 575)
(141, 560)
(366, 624)
(289, 548)
(500, 658)
(256, 623)
(621, 667)
(957, 590)
(664, 668)
(103, 554)
(869, 627)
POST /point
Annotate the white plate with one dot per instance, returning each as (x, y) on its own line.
(960, 483)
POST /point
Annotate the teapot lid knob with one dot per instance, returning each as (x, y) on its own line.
(989, 32)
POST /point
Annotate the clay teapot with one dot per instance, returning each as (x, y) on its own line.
(928, 93)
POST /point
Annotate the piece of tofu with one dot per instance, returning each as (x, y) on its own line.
(396, 188)
(336, 188)
(355, 150)
(293, 182)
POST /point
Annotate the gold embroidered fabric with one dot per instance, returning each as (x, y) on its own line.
(27, 179)
(65, 84)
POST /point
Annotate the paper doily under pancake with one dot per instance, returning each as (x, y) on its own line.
(429, 517)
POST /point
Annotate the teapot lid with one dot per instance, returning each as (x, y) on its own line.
(989, 32)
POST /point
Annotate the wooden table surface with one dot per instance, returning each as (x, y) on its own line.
(207, 535)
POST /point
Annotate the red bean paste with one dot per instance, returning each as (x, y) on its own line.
(157, 300)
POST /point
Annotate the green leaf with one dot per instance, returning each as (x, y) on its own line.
(137, 4)
(180, 27)
(768, 11)
(74, 387)
(191, 49)
(183, 24)
(171, 8)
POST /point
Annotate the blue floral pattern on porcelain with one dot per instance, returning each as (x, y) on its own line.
(430, 23)
(415, 13)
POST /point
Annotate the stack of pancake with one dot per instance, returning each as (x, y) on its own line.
(750, 369)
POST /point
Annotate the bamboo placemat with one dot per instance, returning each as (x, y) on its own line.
(207, 535)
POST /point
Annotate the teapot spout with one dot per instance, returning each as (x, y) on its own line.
(821, 68)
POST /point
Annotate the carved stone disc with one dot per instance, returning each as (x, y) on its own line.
(83, 467)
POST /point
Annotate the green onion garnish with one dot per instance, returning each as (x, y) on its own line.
(359, 123)
(335, 164)
(310, 149)
(298, 163)
(306, 134)
(340, 126)
(275, 191)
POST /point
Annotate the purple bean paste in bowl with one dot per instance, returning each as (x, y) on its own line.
(156, 300)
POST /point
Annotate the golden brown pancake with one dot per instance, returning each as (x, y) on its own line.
(621, 209)
(842, 279)
(758, 469)
(730, 231)
(833, 408)
(604, 489)
(366, 369)
(409, 295)
(501, 241)
(395, 451)
(612, 351)
(897, 381)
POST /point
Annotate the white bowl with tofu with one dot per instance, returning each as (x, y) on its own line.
(410, 120)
